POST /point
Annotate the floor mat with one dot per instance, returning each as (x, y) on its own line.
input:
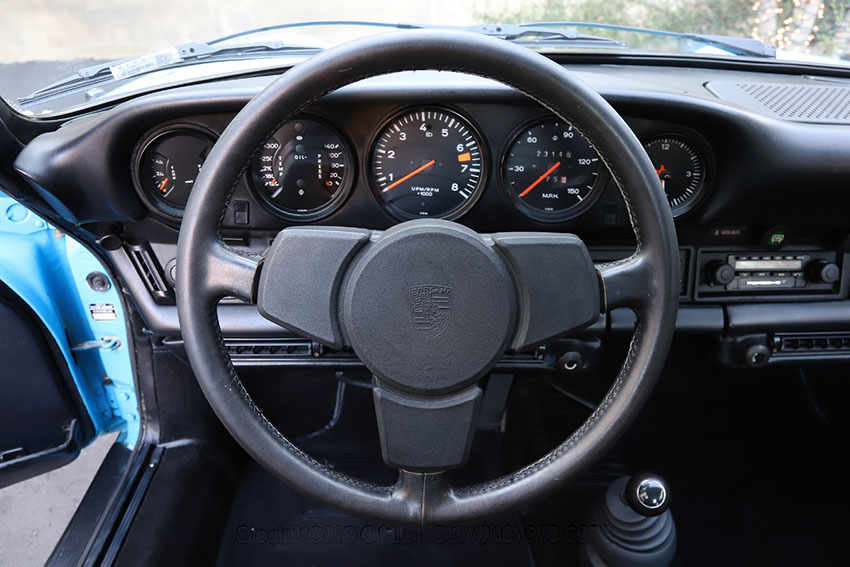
(272, 525)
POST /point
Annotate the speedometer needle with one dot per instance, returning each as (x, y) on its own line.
(539, 179)
(416, 171)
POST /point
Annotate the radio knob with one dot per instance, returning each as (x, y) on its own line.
(720, 273)
(822, 271)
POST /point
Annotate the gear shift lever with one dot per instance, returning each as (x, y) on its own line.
(632, 525)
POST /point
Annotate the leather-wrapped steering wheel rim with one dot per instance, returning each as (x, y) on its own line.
(647, 282)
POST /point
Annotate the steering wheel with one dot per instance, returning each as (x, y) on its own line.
(429, 306)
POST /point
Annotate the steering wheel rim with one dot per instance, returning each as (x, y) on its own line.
(647, 282)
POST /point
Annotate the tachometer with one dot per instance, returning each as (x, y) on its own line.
(427, 162)
(169, 162)
(304, 171)
(550, 171)
(681, 169)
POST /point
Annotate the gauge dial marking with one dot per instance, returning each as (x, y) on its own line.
(413, 173)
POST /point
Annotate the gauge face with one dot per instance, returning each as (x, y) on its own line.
(427, 162)
(304, 171)
(551, 171)
(681, 170)
(169, 164)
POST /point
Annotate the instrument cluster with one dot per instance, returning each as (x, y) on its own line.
(422, 162)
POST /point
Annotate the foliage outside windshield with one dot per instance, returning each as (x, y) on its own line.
(44, 41)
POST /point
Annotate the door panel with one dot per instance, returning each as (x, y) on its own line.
(65, 365)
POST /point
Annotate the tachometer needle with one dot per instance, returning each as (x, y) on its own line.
(539, 179)
(163, 184)
(416, 171)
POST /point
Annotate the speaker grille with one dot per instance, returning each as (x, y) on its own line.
(796, 102)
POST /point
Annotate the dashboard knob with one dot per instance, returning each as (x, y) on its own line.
(822, 271)
(720, 273)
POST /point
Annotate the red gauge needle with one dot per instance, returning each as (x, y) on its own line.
(660, 170)
(163, 184)
(416, 171)
(539, 179)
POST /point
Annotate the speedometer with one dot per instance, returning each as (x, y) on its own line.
(551, 171)
(427, 162)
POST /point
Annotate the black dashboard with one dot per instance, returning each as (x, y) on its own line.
(759, 190)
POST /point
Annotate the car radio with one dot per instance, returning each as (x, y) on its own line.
(803, 274)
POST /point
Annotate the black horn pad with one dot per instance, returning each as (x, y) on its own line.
(429, 307)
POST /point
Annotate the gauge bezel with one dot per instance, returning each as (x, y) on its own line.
(152, 200)
(331, 206)
(701, 148)
(533, 212)
(395, 212)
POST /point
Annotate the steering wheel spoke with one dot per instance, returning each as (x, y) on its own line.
(230, 273)
(426, 434)
(301, 276)
(627, 283)
(556, 283)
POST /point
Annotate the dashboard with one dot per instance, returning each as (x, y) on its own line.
(759, 196)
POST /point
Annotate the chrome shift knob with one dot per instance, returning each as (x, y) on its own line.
(647, 494)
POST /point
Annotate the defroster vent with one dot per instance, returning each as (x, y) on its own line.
(798, 102)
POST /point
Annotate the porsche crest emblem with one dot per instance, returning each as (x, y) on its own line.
(430, 308)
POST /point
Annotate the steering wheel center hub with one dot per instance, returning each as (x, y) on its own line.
(429, 307)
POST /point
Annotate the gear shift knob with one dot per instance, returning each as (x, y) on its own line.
(647, 494)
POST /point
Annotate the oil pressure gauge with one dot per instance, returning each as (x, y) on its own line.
(304, 171)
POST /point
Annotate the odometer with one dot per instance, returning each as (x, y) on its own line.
(680, 168)
(551, 171)
(427, 162)
(304, 171)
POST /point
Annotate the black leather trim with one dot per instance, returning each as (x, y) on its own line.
(538, 78)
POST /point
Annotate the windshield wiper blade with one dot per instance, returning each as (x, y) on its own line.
(530, 35)
(177, 56)
(735, 45)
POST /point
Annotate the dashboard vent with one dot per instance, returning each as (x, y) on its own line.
(149, 269)
(789, 101)
(811, 344)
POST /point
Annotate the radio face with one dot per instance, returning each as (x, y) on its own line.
(801, 275)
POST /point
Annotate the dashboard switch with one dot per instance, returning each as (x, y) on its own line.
(240, 212)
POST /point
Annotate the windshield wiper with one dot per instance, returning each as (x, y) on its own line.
(531, 35)
(522, 34)
(177, 56)
(734, 45)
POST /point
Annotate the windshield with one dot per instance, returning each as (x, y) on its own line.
(57, 55)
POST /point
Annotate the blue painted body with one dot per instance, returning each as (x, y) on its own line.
(48, 270)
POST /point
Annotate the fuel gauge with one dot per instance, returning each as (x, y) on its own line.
(168, 165)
